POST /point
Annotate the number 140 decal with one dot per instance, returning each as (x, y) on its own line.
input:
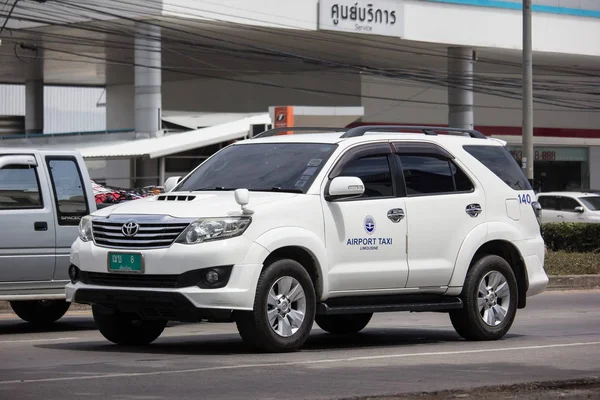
(524, 199)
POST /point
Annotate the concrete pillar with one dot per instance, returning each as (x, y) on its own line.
(460, 94)
(34, 106)
(148, 98)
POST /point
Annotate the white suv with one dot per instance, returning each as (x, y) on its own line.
(570, 207)
(282, 230)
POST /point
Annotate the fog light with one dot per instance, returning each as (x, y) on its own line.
(211, 277)
(73, 273)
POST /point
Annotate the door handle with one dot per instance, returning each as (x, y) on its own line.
(396, 215)
(40, 226)
(474, 210)
(560, 216)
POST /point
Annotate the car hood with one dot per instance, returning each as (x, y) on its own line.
(192, 204)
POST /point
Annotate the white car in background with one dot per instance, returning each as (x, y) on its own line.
(569, 207)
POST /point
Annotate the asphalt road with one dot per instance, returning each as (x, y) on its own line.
(557, 337)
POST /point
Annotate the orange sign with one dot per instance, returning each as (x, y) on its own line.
(284, 116)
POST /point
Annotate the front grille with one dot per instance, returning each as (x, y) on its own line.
(150, 235)
(130, 280)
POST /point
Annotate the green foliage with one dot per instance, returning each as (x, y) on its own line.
(572, 237)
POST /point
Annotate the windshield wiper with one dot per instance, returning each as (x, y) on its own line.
(212, 189)
(277, 189)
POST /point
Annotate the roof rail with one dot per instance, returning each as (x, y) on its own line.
(428, 130)
(275, 131)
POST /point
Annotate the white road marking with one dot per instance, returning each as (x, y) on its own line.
(294, 363)
(37, 340)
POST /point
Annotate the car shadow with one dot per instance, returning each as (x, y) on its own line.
(231, 343)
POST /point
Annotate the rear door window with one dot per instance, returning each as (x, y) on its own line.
(69, 190)
(19, 188)
(498, 160)
(548, 202)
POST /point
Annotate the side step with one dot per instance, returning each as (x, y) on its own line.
(376, 304)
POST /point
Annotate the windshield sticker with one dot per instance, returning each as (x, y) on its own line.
(315, 162)
(300, 183)
(310, 171)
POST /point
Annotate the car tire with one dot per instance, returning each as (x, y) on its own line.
(127, 329)
(40, 312)
(284, 309)
(490, 298)
(345, 324)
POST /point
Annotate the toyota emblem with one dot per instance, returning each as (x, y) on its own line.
(130, 229)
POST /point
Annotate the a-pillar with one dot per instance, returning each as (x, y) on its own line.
(148, 98)
(460, 87)
(34, 106)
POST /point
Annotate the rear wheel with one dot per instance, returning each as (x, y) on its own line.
(127, 329)
(490, 300)
(40, 312)
(284, 309)
(343, 324)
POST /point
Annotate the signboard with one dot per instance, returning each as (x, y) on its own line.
(552, 153)
(283, 117)
(383, 17)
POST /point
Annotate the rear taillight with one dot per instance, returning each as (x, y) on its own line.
(537, 209)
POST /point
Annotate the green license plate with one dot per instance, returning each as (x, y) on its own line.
(125, 262)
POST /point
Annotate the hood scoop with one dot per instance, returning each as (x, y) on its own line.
(172, 197)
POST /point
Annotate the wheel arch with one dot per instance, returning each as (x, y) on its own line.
(480, 242)
(302, 246)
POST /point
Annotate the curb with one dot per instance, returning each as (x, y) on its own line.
(574, 282)
(556, 283)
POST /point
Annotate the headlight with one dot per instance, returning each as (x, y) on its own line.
(207, 229)
(85, 228)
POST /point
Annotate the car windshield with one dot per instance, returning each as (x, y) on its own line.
(276, 167)
(591, 202)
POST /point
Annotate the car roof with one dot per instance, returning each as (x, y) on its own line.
(569, 194)
(25, 150)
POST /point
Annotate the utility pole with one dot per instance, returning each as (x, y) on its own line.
(528, 157)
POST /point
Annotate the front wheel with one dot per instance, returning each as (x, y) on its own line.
(40, 312)
(490, 300)
(284, 309)
(343, 324)
(126, 329)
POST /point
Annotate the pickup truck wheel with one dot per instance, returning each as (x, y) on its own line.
(126, 329)
(344, 324)
(284, 309)
(490, 300)
(40, 312)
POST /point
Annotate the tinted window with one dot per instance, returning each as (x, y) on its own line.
(548, 203)
(69, 191)
(498, 160)
(591, 202)
(261, 167)
(19, 188)
(375, 174)
(463, 183)
(568, 204)
(426, 175)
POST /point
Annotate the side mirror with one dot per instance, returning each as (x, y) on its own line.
(345, 187)
(579, 209)
(171, 183)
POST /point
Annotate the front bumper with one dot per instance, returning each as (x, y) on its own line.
(245, 255)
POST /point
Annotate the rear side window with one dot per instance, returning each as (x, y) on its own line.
(498, 160)
(548, 202)
(68, 190)
(19, 188)
(431, 175)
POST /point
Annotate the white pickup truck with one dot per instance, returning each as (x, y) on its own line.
(43, 196)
